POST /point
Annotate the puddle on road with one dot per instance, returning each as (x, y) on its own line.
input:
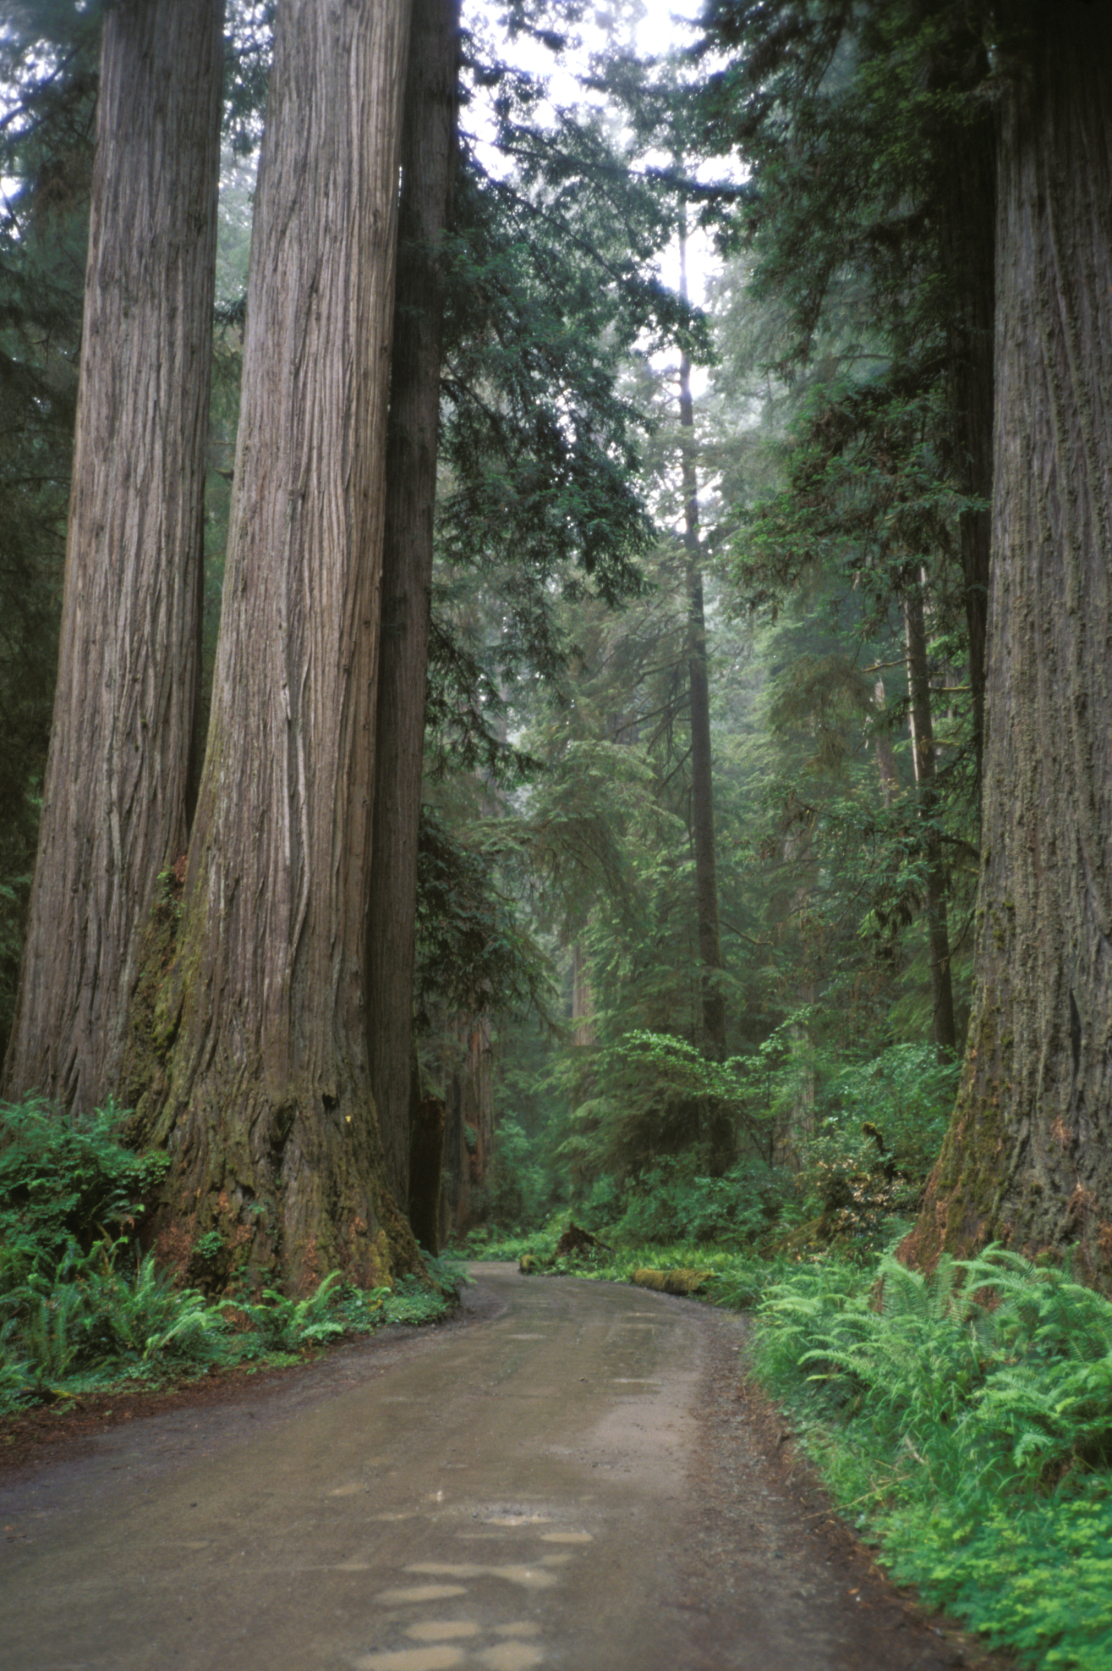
(530, 1577)
(351, 1490)
(442, 1630)
(420, 1593)
(507, 1514)
(411, 1659)
(566, 1537)
(511, 1656)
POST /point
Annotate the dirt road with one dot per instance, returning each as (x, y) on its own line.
(569, 1479)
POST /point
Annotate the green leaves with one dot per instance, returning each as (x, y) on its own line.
(969, 1413)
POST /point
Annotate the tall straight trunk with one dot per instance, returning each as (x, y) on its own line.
(252, 1046)
(720, 1130)
(114, 799)
(1028, 1158)
(887, 770)
(967, 253)
(428, 170)
(964, 177)
(468, 1126)
(583, 1026)
(936, 885)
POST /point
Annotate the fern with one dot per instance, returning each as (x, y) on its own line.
(985, 1388)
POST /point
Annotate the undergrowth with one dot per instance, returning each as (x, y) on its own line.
(82, 1308)
(965, 1421)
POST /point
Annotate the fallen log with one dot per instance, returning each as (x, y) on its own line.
(686, 1282)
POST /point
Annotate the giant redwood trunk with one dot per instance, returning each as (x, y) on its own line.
(428, 168)
(114, 798)
(1028, 1158)
(251, 1031)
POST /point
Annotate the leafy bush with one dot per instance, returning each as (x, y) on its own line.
(92, 1318)
(64, 1179)
(520, 1188)
(968, 1417)
(671, 1202)
(80, 1307)
(285, 1325)
(486, 1244)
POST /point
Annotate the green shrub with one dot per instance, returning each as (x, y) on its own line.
(64, 1179)
(672, 1202)
(285, 1325)
(100, 1314)
(967, 1416)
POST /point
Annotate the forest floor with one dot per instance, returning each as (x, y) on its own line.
(570, 1474)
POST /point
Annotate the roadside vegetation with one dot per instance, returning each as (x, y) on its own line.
(83, 1308)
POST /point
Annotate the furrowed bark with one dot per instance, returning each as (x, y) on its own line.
(114, 799)
(1028, 1158)
(250, 1035)
(428, 169)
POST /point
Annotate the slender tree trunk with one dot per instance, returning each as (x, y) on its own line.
(428, 168)
(964, 173)
(114, 801)
(253, 1043)
(1028, 1158)
(969, 231)
(887, 770)
(468, 1127)
(922, 743)
(583, 1028)
(702, 777)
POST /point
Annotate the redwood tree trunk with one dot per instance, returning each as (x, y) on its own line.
(1028, 1159)
(253, 1043)
(428, 168)
(114, 800)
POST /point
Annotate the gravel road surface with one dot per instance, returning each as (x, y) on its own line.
(571, 1478)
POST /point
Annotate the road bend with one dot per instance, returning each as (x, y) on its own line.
(564, 1482)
